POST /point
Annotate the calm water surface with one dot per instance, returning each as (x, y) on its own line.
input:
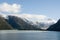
(29, 35)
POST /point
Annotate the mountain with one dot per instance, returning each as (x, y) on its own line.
(28, 21)
(20, 24)
(55, 27)
(4, 24)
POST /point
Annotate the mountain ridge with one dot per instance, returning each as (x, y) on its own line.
(20, 22)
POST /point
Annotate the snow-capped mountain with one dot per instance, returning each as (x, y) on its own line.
(40, 21)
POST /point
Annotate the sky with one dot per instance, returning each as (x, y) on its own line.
(49, 8)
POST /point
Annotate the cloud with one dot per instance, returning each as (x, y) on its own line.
(10, 8)
(35, 18)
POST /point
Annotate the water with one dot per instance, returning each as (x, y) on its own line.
(29, 35)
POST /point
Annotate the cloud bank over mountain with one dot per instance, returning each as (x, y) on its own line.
(33, 17)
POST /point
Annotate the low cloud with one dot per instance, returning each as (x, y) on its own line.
(10, 8)
(35, 18)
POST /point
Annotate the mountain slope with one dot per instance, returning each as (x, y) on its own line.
(20, 24)
(4, 25)
(55, 27)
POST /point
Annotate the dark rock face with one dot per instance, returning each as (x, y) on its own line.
(12, 21)
(55, 27)
(4, 25)
(20, 24)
